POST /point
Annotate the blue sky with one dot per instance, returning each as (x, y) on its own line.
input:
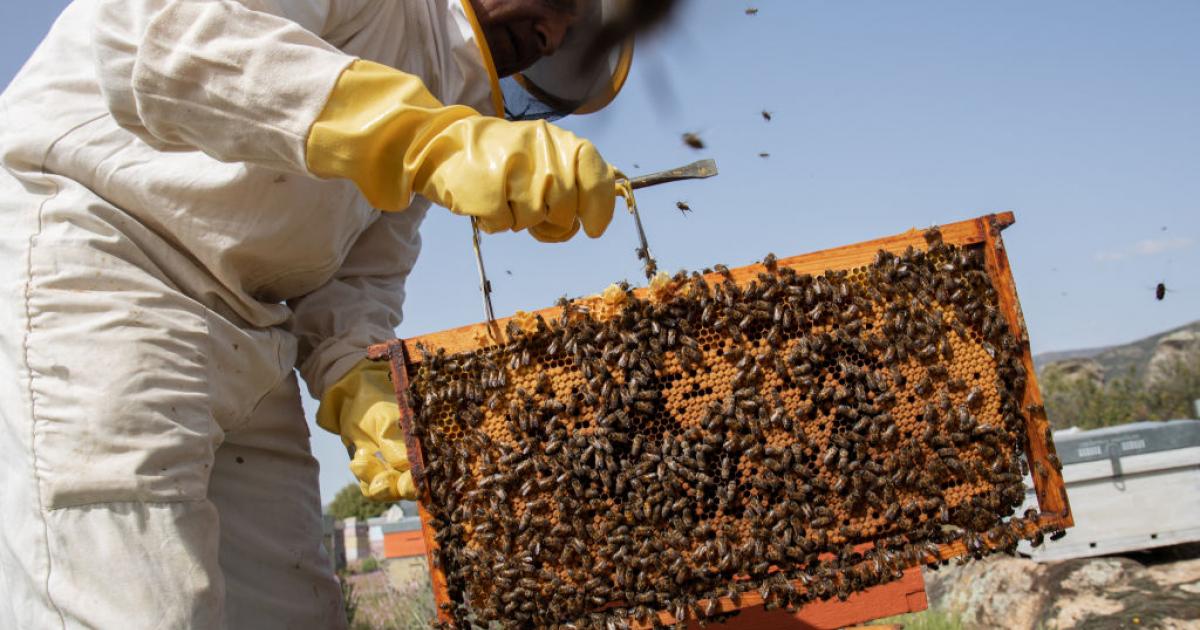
(1082, 117)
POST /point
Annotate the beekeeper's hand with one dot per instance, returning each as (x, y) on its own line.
(361, 407)
(382, 129)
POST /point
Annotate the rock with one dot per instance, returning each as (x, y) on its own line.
(1073, 371)
(1092, 593)
(1172, 349)
(993, 593)
(1074, 611)
(1100, 574)
(1185, 573)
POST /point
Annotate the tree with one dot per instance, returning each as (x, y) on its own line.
(349, 502)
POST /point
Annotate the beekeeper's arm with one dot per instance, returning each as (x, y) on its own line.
(242, 80)
(247, 82)
(358, 307)
(380, 123)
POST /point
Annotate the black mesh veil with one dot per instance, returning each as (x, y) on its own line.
(519, 104)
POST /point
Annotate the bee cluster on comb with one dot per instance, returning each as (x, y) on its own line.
(795, 437)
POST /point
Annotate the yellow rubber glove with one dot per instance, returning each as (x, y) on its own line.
(383, 130)
(361, 407)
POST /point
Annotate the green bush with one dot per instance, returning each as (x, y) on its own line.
(350, 502)
(370, 565)
(1087, 405)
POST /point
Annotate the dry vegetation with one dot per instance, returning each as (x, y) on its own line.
(1128, 398)
(374, 603)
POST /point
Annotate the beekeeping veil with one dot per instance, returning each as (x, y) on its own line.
(566, 82)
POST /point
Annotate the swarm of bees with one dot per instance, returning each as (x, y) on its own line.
(620, 461)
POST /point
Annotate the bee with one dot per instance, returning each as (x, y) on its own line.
(683, 207)
(693, 140)
(1040, 469)
(933, 236)
(766, 115)
(1160, 291)
(947, 349)
(975, 398)
(751, 11)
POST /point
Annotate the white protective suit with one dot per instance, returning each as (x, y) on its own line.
(166, 260)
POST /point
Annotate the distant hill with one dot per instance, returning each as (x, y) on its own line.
(1117, 360)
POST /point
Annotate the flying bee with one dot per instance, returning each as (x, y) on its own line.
(683, 207)
(693, 140)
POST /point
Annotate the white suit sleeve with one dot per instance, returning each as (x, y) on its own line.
(361, 305)
(241, 81)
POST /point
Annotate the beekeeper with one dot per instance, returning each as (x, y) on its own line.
(199, 196)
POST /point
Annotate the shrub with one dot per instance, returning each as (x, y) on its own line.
(1087, 405)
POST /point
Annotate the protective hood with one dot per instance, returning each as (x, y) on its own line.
(556, 86)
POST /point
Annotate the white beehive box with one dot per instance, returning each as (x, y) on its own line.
(1132, 487)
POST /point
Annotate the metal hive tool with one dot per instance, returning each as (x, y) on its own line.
(746, 437)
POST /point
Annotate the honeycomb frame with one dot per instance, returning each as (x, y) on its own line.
(982, 234)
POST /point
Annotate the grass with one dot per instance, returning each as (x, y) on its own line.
(928, 620)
